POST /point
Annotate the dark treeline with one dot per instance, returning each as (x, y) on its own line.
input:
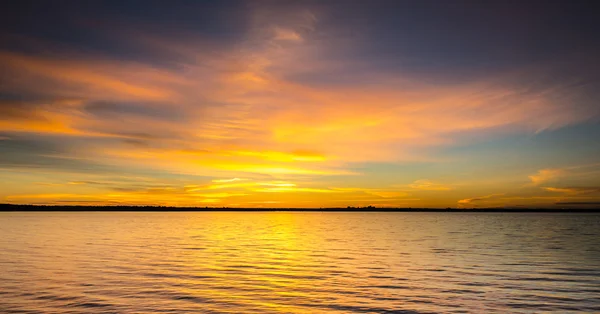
(118, 208)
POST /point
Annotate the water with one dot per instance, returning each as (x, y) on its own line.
(281, 262)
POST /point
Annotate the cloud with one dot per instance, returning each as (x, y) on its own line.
(469, 201)
(247, 96)
(287, 35)
(427, 185)
(387, 194)
(52, 197)
(567, 175)
(228, 180)
(546, 175)
(560, 190)
(535, 198)
(193, 188)
(219, 195)
(382, 193)
(293, 190)
(573, 190)
(101, 78)
(86, 183)
(286, 93)
(282, 156)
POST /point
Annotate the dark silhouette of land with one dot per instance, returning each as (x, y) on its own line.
(118, 208)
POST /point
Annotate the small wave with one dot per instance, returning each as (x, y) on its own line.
(395, 287)
(88, 304)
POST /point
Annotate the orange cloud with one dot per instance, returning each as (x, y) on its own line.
(546, 175)
(276, 115)
(468, 201)
(560, 190)
(427, 185)
(573, 190)
(94, 77)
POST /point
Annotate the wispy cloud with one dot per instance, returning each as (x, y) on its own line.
(427, 185)
(545, 175)
(559, 190)
(228, 180)
(573, 190)
(287, 35)
(472, 201)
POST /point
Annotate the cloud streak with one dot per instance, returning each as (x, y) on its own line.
(546, 175)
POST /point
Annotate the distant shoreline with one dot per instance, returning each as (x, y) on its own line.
(116, 208)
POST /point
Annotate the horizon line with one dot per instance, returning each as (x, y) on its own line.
(158, 208)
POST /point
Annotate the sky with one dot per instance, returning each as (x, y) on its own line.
(300, 103)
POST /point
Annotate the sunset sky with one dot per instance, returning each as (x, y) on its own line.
(300, 103)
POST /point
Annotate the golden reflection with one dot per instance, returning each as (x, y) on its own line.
(285, 262)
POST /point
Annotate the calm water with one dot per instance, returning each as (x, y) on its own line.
(299, 263)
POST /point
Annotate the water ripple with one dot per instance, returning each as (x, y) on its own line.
(298, 263)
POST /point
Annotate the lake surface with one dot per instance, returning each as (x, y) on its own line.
(292, 262)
